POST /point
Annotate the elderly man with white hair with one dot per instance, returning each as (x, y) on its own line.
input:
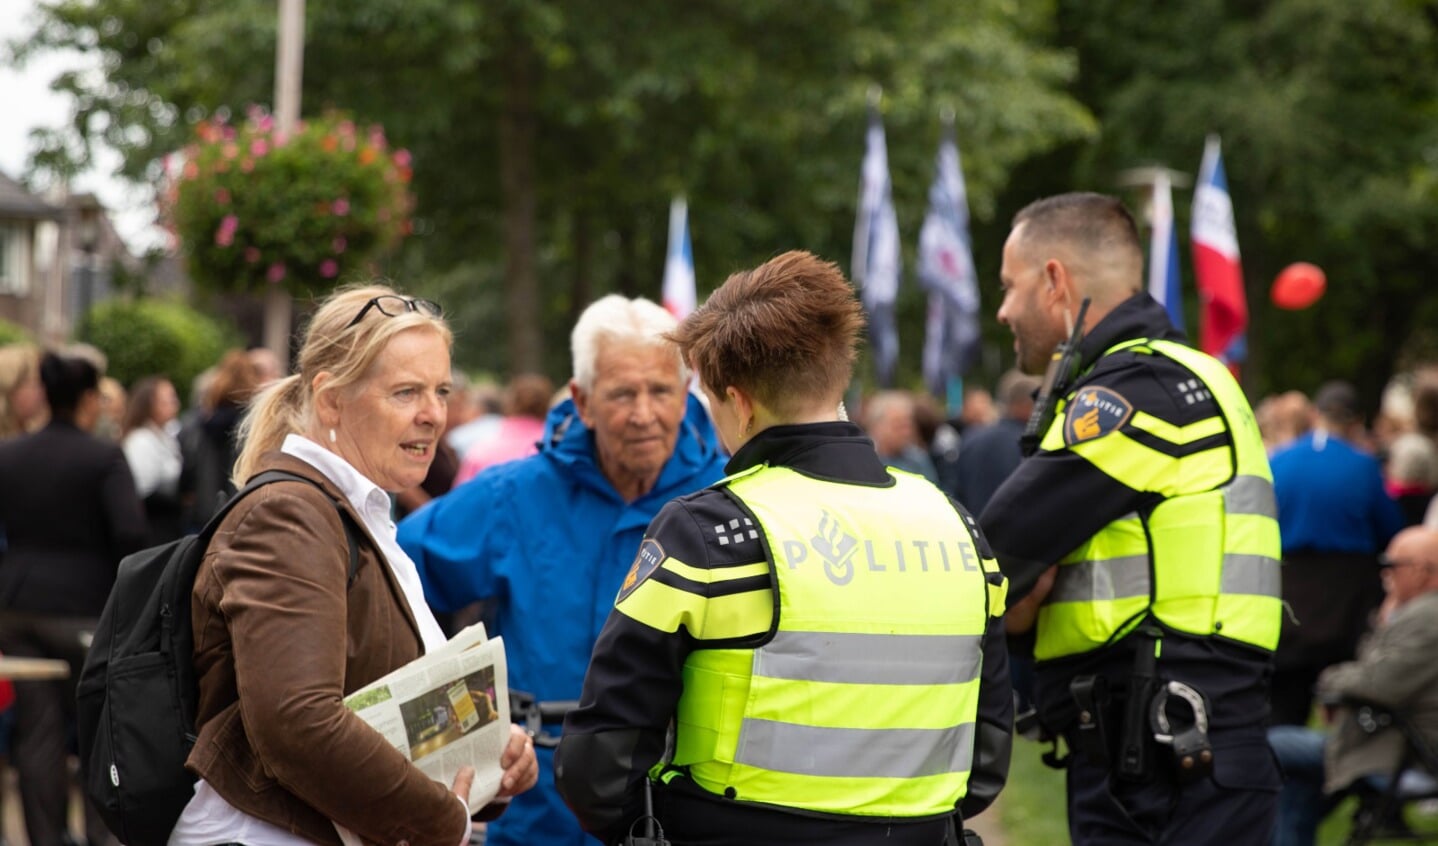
(548, 539)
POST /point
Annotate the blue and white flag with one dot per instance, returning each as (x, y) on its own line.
(876, 262)
(946, 271)
(679, 295)
(1163, 280)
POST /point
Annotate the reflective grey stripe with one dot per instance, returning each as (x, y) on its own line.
(1250, 495)
(870, 658)
(855, 753)
(1258, 575)
(1096, 581)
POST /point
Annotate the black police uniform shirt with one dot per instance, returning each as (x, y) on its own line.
(635, 678)
(1056, 500)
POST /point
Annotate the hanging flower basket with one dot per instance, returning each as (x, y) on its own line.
(253, 210)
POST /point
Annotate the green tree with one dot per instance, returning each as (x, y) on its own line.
(549, 135)
(1326, 112)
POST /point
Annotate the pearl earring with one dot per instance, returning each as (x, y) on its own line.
(332, 436)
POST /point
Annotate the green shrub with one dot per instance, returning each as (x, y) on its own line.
(141, 337)
(11, 333)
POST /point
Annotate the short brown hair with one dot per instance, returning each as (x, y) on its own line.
(1095, 222)
(786, 332)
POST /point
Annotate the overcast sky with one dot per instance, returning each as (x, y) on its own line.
(26, 102)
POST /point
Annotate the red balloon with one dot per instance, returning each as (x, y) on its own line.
(1298, 286)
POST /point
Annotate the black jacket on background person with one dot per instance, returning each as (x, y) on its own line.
(69, 512)
(612, 740)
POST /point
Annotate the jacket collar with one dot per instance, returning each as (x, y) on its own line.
(1139, 316)
(570, 443)
(838, 450)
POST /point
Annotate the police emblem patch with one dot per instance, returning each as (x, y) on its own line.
(650, 556)
(1093, 413)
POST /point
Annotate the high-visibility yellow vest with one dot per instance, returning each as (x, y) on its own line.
(863, 701)
(1205, 561)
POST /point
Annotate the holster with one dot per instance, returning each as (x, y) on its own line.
(1090, 737)
(1135, 761)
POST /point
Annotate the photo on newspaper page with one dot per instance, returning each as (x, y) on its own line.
(446, 710)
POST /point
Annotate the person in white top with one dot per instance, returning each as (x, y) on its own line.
(283, 630)
(153, 452)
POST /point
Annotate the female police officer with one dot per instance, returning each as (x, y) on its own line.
(822, 631)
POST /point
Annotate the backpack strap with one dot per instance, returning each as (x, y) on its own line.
(265, 478)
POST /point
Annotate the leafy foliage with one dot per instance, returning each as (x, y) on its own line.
(753, 108)
(144, 337)
(12, 333)
(1326, 111)
(252, 208)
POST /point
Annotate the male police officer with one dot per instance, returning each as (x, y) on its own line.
(1144, 531)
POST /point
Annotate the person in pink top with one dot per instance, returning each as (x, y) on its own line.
(526, 401)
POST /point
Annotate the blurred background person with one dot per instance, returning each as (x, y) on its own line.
(890, 422)
(989, 453)
(114, 400)
(480, 420)
(1410, 474)
(266, 365)
(70, 512)
(525, 404)
(22, 397)
(207, 442)
(1334, 518)
(1283, 418)
(152, 450)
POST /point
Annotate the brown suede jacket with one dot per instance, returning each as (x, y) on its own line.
(279, 641)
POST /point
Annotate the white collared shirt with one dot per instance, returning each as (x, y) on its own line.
(208, 819)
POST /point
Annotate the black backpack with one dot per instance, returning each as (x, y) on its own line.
(137, 692)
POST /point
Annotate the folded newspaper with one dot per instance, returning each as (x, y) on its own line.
(445, 710)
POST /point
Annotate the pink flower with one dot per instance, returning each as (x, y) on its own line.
(340, 207)
(276, 273)
(230, 150)
(402, 157)
(259, 147)
(265, 123)
(338, 245)
(225, 235)
(328, 268)
(222, 197)
(252, 254)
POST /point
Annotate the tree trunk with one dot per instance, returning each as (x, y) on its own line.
(517, 184)
(582, 289)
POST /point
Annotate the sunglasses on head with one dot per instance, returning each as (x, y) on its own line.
(394, 305)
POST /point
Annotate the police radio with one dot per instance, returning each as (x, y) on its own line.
(1063, 367)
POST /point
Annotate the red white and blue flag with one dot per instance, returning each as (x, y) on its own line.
(679, 293)
(876, 263)
(1216, 263)
(946, 271)
(1163, 279)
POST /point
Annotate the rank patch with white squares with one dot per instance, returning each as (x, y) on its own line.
(1193, 391)
(737, 530)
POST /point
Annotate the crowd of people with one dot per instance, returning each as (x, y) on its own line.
(736, 601)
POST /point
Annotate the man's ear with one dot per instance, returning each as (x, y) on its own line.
(581, 401)
(1059, 282)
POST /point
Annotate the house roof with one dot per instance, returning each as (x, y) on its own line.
(16, 202)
